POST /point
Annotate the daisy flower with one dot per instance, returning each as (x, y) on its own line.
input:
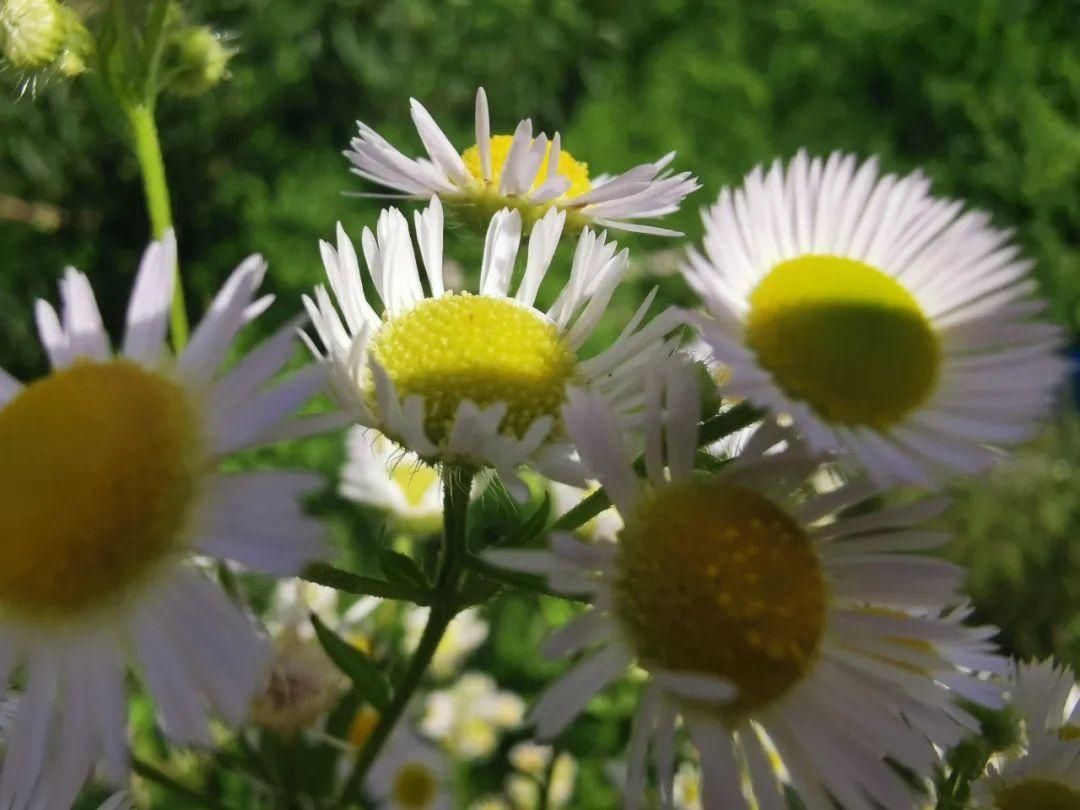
(468, 717)
(478, 380)
(379, 473)
(1045, 771)
(881, 320)
(527, 174)
(410, 774)
(111, 484)
(766, 624)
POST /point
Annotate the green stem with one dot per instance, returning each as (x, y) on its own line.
(457, 483)
(152, 774)
(156, 189)
(515, 579)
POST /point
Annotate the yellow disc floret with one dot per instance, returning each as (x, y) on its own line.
(844, 337)
(415, 786)
(487, 350)
(98, 466)
(717, 580)
(570, 168)
(1037, 794)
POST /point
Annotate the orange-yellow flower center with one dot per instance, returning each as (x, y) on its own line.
(844, 337)
(486, 350)
(98, 467)
(574, 170)
(715, 579)
(1037, 794)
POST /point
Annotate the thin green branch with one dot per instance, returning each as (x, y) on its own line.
(457, 483)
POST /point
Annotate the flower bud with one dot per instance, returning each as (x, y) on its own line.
(32, 32)
(202, 59)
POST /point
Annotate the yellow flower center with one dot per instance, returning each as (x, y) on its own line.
(1069, 732)
(1037, 794)
(717, 580)
(362, 727)
(464, 347)
(98, 467)
(415, 786)
(844, 337)
(574, 170)
(414, 481)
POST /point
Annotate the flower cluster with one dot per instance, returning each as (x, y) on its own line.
(751, 567)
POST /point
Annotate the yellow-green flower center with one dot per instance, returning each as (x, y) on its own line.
(98, 466)
(415, 786)
(1037, 794)
(844, 337)
(414, 481)
(574, 170)
(486, 350)
(717, 580)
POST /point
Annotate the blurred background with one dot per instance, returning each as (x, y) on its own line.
(984, 96)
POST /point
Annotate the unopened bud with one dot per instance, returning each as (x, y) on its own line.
(202, 61)
(32, 32)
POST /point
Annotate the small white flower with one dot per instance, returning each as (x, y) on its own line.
(468, 717)
(883, 321)
(478, 379)
(111, 484)
(524, 789)
(766, 628)
(381, 474)
(530, 175)
(465, 633)
(410, 774)
(1045, 771)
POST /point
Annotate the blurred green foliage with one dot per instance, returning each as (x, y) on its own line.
(983, 95)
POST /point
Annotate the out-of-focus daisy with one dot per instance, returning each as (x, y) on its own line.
(687, 787)
(302, 687)
(604, 526)
(468, 717)
(527, 174)
(882, 320)
(532, 760)
(410, 774)
(381, 474)
(478, 379)
(759, 623)
(130, 445)
(1045, 771)
(466, 632)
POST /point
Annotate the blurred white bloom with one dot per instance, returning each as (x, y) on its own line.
(688, 787)
(604, 526)
(468, 717)
(303, 686)
(530, 757)
(410, 774)
(379, 473)
(524, 790)
(115, 483)
(490, 803)
(466, 632)
(1044, 772)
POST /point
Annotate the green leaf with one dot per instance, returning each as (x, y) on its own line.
(359, 668)
(531, 528)
(402, 569)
